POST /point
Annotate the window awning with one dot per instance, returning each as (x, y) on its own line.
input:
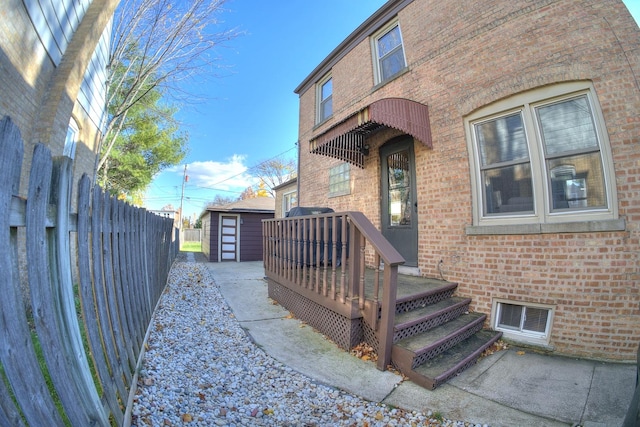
(346, 140)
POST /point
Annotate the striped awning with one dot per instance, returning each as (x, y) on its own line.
(346, 140)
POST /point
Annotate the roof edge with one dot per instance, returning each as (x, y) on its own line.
(368, 27)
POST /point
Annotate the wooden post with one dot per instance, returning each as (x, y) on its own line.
(388, 316)
(355, 239)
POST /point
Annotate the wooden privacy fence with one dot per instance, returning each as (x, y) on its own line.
(121, 257)
(190, 235)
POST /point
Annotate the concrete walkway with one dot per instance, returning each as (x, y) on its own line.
(508, 388)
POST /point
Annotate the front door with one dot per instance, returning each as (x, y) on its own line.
(399, 204)
(228, 238)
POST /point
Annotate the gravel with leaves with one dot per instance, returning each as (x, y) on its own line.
(201, 369)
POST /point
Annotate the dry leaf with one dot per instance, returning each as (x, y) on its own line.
(186, 418)
(520, 353)
(495, 347)
(365, 352)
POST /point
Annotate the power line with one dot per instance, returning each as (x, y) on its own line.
(248, 169)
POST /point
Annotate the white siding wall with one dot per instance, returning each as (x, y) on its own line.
(55, 21)
(93, 91)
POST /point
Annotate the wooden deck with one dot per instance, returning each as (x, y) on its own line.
(411, 321)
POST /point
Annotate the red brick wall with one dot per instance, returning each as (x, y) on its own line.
(466, 55)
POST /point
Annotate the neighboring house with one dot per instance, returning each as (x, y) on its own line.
(286, 197)
(168, 212)
(233, 232)
(53, 83)
(495, 144)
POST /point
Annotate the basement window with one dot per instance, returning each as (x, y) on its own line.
(523, 321)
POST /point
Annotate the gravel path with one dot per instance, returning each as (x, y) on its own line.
(201, 369)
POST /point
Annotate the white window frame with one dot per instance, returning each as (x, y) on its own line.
(377, 69)
(321, 102)
(526, 103)
(340, 180)
(525, 336)
(288, 201)
(71, 140)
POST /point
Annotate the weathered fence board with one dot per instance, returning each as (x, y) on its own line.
(17, 351)
(88, 301)
(46, 305)
(123, 256)
(191, 235)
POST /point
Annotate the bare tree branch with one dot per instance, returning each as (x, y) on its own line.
(156, 45)
(275, 171)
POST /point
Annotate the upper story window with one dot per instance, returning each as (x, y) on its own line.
(388, 53)
(325, 99)
(340, 180)
(542, 157)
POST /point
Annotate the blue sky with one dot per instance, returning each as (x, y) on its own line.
(251, 113)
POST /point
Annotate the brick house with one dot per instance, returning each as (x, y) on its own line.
(496, 145)
(53, 57)
(53, 80)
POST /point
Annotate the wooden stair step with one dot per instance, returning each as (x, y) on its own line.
(428, 317)
(453, 361)
(416, 350)
(423, 291)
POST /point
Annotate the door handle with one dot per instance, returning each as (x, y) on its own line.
(415, 207)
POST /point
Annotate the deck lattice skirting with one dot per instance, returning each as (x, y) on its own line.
(344, 332)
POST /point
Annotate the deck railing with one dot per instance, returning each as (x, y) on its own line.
(324, 258)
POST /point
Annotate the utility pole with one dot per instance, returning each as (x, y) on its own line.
(184, 180)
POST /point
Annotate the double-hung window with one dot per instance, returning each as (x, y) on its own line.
(388, 53)
(325, 99)
(542, 157)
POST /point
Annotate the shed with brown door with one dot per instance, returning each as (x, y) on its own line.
(233, 232)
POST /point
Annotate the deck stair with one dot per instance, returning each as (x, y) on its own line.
(435, 335)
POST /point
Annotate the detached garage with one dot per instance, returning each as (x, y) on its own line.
(233, 232)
